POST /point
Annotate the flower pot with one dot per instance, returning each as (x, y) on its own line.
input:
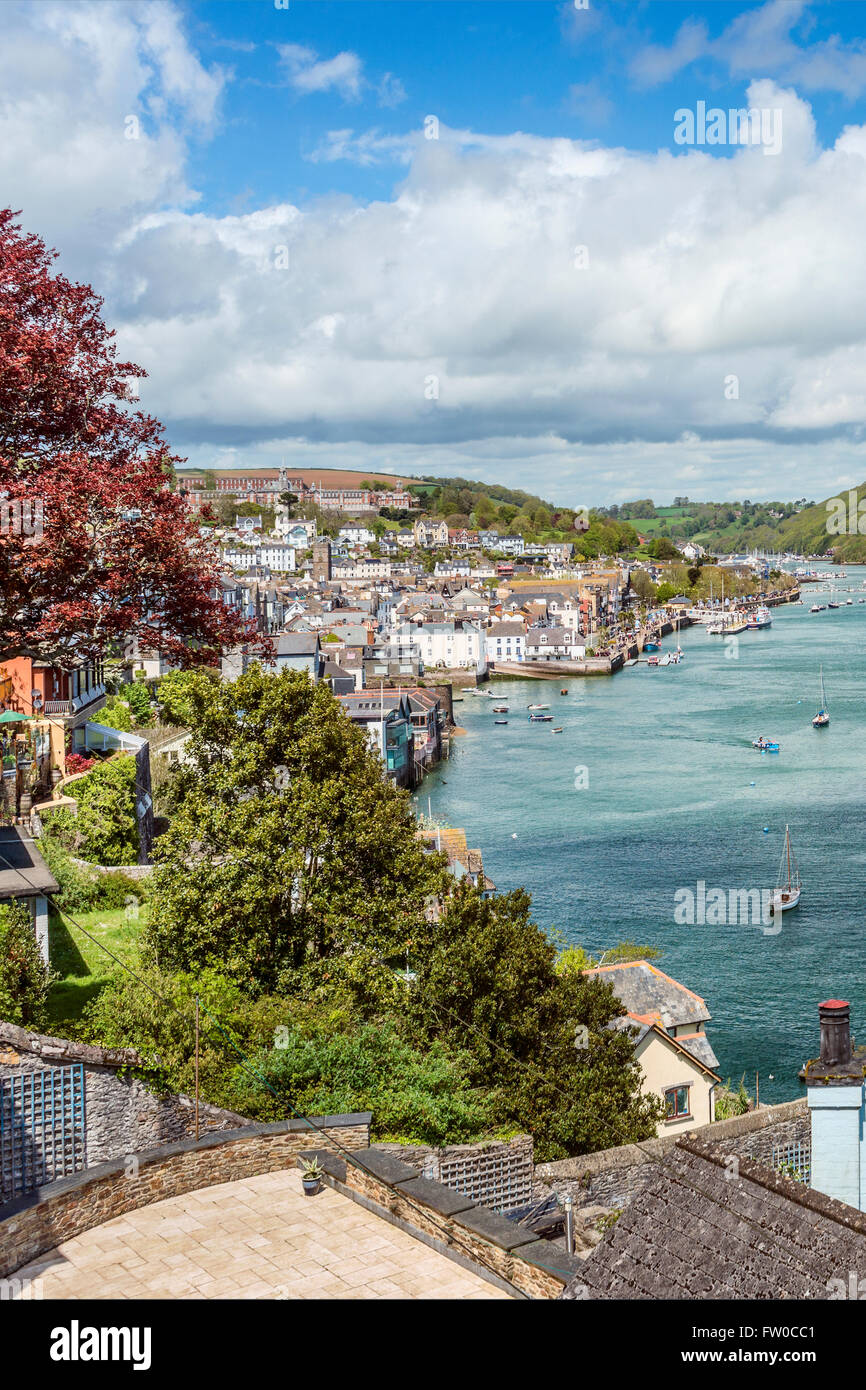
(311, 1186)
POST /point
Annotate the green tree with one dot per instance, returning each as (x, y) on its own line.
(25, 979)
(176, 689)
(289, 846)
(115, 714)
(662, 549)
(642, 585)
(136, 697)
(487, 985)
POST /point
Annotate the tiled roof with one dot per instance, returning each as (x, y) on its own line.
(645, 990)
(697, 1231)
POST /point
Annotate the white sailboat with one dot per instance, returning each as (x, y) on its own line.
(789, 886)
(822, 718)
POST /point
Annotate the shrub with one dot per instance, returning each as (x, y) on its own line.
(115, 714)
(106, 819)
(25, 979)
(422, 1097)
(76, 762)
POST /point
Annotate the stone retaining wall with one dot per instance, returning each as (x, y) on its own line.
(122, 1115)
(613, 1177)
(60, 1210)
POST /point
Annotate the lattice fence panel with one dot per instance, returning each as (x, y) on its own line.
(42, 1128)
(499, 1180)
(796, 1156)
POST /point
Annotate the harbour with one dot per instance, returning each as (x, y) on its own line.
(672, 793)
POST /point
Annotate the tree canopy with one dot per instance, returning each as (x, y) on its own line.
(106, 549)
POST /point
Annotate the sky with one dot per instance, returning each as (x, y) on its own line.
(521, 241)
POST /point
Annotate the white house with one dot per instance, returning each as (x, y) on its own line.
(505, 641)
(454, 646)
(362, 569)
(356, 535)
(270, 554)
(553, 644)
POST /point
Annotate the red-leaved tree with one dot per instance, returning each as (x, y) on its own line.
(96, 548)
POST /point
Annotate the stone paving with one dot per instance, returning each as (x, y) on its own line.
(257, 1238)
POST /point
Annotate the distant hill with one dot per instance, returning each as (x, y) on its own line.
(802, 527)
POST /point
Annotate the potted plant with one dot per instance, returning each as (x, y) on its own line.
(311, 1177)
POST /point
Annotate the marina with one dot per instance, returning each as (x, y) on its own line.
(672, 793)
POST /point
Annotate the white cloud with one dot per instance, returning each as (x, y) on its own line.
(760, 40)
(315, 330)
(306, 73)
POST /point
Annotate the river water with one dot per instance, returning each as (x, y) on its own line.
(671, 793)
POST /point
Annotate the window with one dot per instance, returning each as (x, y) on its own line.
(677, 1103)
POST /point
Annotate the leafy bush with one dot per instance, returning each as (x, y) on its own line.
(115, 714)
(76, 762)
(106, 822)
(81, 889)
(420, 1096)
(729, 1102)
(315, 1060)
(25, 979)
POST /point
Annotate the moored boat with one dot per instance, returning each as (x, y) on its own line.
(500, 721)
(500, 709)
(822, 718)
(540, 718)
(789, 885)
(538, 706)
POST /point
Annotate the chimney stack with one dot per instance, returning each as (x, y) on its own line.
(836, 1094)
(835, 1018)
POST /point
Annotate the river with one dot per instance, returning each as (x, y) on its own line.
(671, 794)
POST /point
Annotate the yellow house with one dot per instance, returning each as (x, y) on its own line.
(675, 1056)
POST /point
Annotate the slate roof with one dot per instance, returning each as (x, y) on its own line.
(697, 1232)
(646, 991)
(23, 871)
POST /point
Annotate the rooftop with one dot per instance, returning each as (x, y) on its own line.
(700, 1231)
(23, 871)
(256, 1238)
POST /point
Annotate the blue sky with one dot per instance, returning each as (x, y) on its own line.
(554, 292)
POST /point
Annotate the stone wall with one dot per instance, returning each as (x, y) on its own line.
(458, 1227)
(613, 1177)
(122, 1115)
(60, 1210)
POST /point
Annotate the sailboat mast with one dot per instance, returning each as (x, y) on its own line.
(788, 848)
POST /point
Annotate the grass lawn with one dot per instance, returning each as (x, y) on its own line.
(84, 968)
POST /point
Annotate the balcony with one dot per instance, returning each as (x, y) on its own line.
(57, 707)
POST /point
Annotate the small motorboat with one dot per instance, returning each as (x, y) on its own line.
(652, 661)
(558, 731)
(540, 718)
(650, 646)
(847, 601)
(500, 709)
(500, 721)
(765, 745)
(538, 706)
